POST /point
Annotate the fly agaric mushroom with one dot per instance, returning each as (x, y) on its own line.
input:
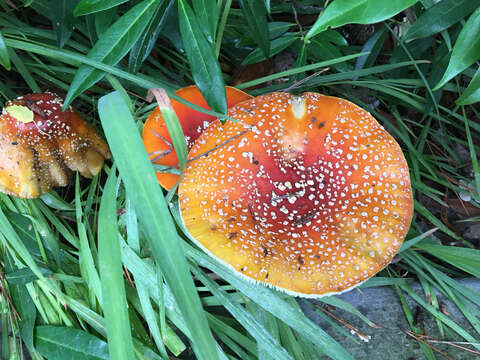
(155, 134)
(39, 144)
(308, 193)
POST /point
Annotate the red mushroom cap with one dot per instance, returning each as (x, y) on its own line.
(314, 198)
(155, 134)
(40, 144)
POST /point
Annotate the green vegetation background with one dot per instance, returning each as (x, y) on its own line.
(104, 270)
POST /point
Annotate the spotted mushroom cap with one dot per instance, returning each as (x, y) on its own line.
(309, 194)
(40, 144)
(155, 134)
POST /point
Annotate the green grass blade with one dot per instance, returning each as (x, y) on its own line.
(85, 7)
(63, 19)
(439, 17)
(201, 57)
(270, 323)
(221, 27)
(299, 70)
(73, 57)
(249, 322)
(439, 315)
(289, 341)
(139, 179)
(463, 258)
(151, 319)
(85, 261)
(275, 304)
(144, 45)
(146, 273)
(434, 220)
(341, 12)
(23, 304)
(173, 126)
(23, 70)
(342, 304)
(112, 46)
(144, 297)
(59, 343)
(466, 50)
(207, 14)
(473, 154)
(467, 292)
(220, 326)
(103, 20)
(23, 227)
(472, 92)
(11, 239)
(276, 46)
(255, 14)
(4, 57)
(410, 242)
(373, 47)
(91, 317)
(111, 276)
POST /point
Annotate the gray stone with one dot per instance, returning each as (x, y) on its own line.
(472, 232)
(382, 306)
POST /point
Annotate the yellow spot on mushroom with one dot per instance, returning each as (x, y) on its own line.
(20, 113)
(298, 106)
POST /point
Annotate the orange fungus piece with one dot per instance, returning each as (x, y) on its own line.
(155, 134)
(40, 145)
(307, 193)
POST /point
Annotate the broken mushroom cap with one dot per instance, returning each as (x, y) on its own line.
(312, 196)
(155, 134)
(40, 144)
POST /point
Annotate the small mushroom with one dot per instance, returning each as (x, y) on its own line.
(313, 197)
(155, 134)
(40, 144)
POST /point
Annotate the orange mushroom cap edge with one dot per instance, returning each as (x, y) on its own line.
(156, 138)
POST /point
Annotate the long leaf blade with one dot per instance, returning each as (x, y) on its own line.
(466, 50)
(4, 57)
(272, 301)
(439, 17)
(58, 343)
(85, 258)
(112, 46)
(251, 323)
(276, 46)
(23, 304)
(275, 304)
(85, 7)
(255, 13)
(111, 276)
(207, 13)
(139, 179)
(63, 19)
(145, 43)
(373, 46)
(341, 12)
(464, 258)
(201, 57)
(472, 92)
